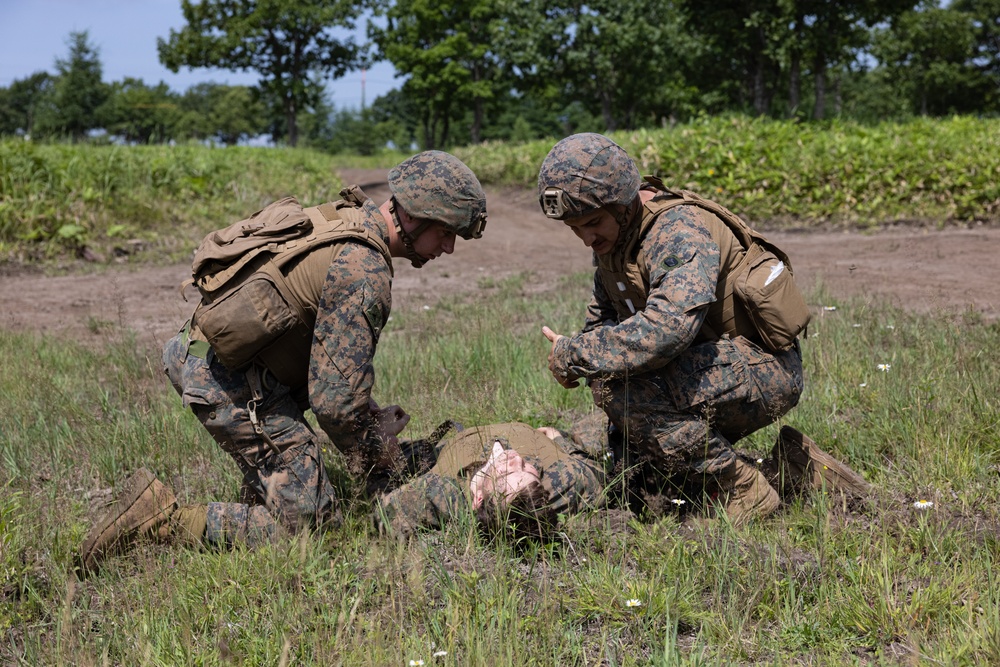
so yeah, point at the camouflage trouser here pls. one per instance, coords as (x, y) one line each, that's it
(285, 486)
(682, 420)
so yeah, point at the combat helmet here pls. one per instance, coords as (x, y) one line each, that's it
(435, 186)
(584, 172)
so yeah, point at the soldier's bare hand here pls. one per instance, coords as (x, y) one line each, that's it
(554, 338)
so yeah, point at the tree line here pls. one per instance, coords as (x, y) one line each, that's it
(516, 70)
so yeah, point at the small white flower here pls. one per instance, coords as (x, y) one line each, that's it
(760, 461)
(829, 309)
(890, 327)
(923, 504)
(439, 654)
(427, 307)
(416, 663)
(678, 501)
(884, 367)
(856, 326)
(863, 385)
(632, 602)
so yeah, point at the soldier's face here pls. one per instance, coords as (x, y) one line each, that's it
(598, 230)
(435, 241)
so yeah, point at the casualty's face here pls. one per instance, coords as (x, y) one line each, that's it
(598, 230)
(505, 473)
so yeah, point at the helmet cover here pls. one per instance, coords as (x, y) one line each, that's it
(438, 187)
(585, 172)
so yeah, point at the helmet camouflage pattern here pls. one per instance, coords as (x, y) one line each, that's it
(584, 172)
(439, 187)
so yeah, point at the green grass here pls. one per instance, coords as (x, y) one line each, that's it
(822, 583)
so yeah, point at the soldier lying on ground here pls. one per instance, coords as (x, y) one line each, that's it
(508, 474)
(690, 340)
(293, 303)
(519, 479)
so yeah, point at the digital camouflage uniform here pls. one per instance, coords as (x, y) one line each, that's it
(572, 471)
(347, 288)
(680, 394)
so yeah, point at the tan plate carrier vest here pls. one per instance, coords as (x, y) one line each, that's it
(247, 310)
(739, 309)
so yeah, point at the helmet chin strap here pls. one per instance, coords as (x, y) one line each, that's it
(407, 238)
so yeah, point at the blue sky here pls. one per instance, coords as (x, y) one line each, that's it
(33, 33)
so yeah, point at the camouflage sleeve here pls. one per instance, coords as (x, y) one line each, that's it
(600, 312)
(353, 308)
(426, 502)
(575, 483)
(683, 263)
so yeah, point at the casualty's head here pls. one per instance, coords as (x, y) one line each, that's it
(590, 183)
(435, 197)
(508, 496)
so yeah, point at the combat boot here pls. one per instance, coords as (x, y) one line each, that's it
(805, 466)
(142, 508)
(746, 494)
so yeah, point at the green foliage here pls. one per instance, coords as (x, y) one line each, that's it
(286, 41)
(228, 114)
(927, 54)
(447, 49)
(58, 197)
(823, 582)
(78, 93)
(782, 172)
(138, 113)
(19, 104)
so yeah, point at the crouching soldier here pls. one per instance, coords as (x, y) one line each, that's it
(690, 340)
(292, 304)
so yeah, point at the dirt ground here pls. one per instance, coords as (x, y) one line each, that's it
(925, 270)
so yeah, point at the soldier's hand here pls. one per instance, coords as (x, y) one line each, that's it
(554, 338)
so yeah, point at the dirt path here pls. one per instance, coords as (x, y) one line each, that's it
(927, 271)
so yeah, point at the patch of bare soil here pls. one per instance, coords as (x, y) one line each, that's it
(923, 270)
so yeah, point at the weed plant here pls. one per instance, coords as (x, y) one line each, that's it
(59, 199)
(908, 400)
(779, 173)
(55, 198)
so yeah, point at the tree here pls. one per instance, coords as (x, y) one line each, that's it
(77, 92)
(20, 102)
(229, 114)
(446, 49)
(985, 15)
(139, 113)
(929, 54)
(288, 42)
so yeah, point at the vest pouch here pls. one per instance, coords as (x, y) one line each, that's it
(766, 287)
(245, 321)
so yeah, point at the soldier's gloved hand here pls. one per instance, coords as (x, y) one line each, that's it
(557, 374)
